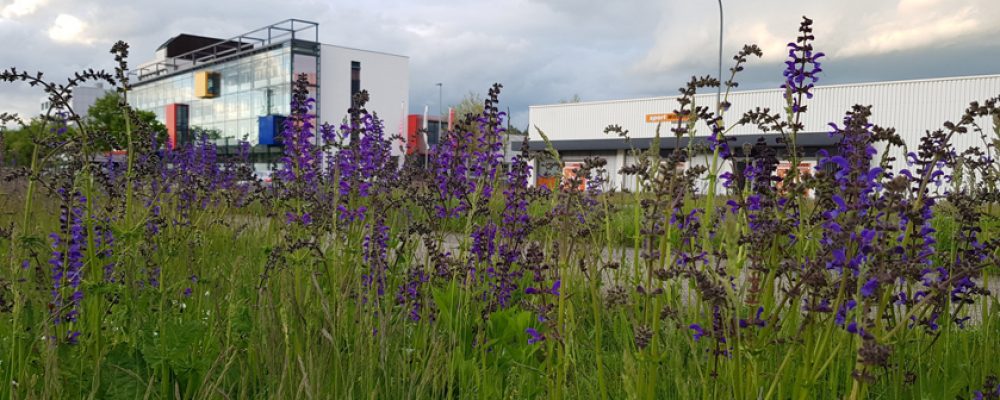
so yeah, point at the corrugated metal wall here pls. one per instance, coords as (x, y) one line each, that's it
(912, 107)
(906, 105)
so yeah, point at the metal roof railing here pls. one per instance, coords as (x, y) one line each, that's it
(276, 33)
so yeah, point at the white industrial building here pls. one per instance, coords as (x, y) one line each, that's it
(913, 107)
(83, 98)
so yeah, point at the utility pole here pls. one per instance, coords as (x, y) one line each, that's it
(718, 92)
(506, 142)
(440, 108)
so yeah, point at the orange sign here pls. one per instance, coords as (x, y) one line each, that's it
(805, 170)
(657, 118)
(569, 172)
(547, 181)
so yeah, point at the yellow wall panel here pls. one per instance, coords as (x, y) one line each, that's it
(206, 84)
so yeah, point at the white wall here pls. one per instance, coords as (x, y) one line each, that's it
(912, 107)
(614, 179)
(386, 77)
(85, 97)
(909, 106)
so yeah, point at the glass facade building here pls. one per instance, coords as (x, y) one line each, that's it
(240, 88)
(254, 80)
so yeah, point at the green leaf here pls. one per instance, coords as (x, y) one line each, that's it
(124, 374)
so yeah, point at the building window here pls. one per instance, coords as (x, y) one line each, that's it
(355, 79)
(305, 64)
(206, 85)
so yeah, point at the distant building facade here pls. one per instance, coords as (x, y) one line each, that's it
(83, 98)
(576, 130)
(423, 133)
(241, 88)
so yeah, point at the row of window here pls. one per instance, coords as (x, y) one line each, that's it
(247, 88)
(242, 90)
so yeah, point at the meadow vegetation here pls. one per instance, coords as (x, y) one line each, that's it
(173, 273)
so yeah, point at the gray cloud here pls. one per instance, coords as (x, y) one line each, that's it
(541, 50)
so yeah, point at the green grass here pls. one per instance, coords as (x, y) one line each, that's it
(303, 333)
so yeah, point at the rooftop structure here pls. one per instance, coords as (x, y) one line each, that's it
(186, 51)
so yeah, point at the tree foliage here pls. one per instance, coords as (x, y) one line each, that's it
(574, 99)
(472, 103)
(107, 118)
(17, 143)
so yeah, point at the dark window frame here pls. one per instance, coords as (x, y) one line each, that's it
(355, 79)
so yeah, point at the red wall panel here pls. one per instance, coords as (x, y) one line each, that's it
(171, 112)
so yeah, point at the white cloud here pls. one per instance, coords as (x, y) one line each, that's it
(844, 29)
(421, 30)
(913, 6)
(541, 50)
(917, 25)
(773, 45)
(69, 29)
(20, 8)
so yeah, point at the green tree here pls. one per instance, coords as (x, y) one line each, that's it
(211, 133)
(574, 99)
(515, 131)
(18, 144)
(107, 119)
(472, 103)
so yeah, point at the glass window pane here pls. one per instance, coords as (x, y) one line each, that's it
(304, 64)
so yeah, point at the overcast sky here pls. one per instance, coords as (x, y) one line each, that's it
(541, 50)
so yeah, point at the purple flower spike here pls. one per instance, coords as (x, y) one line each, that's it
(698, 331)
(802, 67)
(73, 337)
(734, 207)
(555, 288)
(869, 288)
(535, 336)
(757, 321)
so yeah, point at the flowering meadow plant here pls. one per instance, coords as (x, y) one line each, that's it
(175, 273)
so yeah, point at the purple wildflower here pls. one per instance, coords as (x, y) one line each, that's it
(756, 321)
(801, 68)
(301, 161)
(845, 308)
(868, 289)
(698, 331)
(409, 293)
(376, 245)
(534, 336)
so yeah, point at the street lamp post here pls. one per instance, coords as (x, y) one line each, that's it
(440, 109)
(718, 92)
